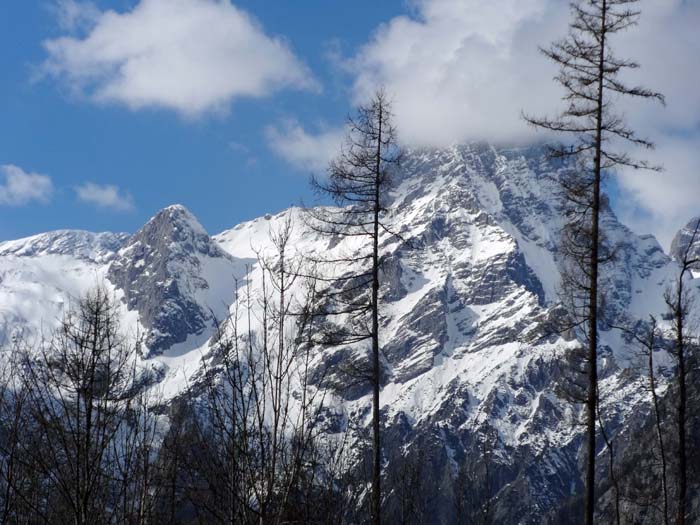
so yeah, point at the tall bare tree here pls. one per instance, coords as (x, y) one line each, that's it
(358, 181)
(679, 304)
(590, 76)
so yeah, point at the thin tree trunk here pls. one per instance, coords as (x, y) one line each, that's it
(657, 416)
(591, 403)
(682, 464)
(611, 467)
(376, 474)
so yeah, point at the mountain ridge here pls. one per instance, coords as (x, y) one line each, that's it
(467, 292)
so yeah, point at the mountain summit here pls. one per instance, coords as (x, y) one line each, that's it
(469, 290)
(165, 272)
(687, 241)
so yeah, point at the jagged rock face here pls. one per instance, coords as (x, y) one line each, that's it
(94, 247)
(163, 273)
(687, 241)
(468, 292)
(467, 295)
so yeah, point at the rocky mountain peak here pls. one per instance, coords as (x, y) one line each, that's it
(687, 240)
(163, 273)
(175, 228)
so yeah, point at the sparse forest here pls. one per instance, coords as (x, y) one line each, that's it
(324, 316)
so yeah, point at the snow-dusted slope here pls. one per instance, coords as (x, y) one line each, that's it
(87, 246)
(467, 293)
(41, 274)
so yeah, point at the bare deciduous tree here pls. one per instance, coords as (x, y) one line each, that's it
(257, 418)
(590, 75)
(647, 337)
(358, 182)
(679, 303)
(78, 388)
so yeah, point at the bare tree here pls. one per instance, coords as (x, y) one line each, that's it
(473, 484)
(257, 414)
(589, 74)
(174, 483)
(135, 451)
(649, 338)
(410, 486)
(609, 445)
(19, 485)
(679, 304)
(650, 345)
(358, 182)
(78, 389)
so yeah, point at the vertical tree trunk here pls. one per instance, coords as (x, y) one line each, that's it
(588, 70)
(357, 181)
(591, 403)
(376, 473)
(657, 418)
(682, 464)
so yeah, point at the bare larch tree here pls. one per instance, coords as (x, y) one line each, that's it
(79, 388)
(590, 76)
(257, 412)
(358, 181)
(679, 304)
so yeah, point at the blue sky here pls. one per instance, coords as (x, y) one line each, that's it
(113, 109)
(218, 165)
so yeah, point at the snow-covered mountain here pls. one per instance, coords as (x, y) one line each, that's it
(41, 274)
(469, 290)
(176, 278)
(686, 243)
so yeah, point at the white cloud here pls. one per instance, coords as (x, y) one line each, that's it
(304, 150)
(462, 70)
(191, 56)
(74, 16)
(105, 196)
(21, 187)
(662, 203)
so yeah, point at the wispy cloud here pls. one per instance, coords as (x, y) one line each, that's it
(105, 196)
(21, 187)
(462, 70)
(304, 150)
(190, 56)
(73, 15)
